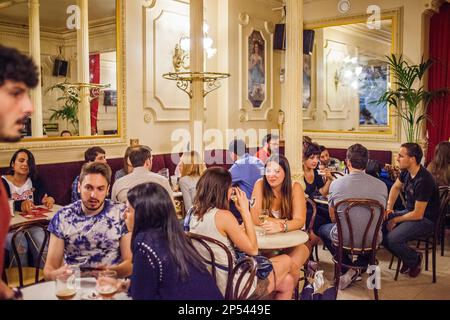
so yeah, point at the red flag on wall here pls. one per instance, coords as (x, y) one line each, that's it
(94, 75)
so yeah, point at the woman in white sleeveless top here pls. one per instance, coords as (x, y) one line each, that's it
(286, 204)
(213, 219)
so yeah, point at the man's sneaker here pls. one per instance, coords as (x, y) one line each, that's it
(348, 278)
(415, 271)
(404, 269)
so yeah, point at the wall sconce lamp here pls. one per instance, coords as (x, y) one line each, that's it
(180, 61)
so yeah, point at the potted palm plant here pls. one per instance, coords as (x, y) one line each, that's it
(409, 97)
(69, 110)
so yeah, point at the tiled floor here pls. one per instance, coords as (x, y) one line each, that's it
(405, 288)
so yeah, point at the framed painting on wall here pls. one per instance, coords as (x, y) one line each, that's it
(373, 83)
(306, 81)
(256, 69)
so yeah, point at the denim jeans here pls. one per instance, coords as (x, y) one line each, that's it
(26, 245)
(396, 241)
(362, 260)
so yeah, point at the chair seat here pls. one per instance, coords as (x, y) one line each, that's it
(12, 276)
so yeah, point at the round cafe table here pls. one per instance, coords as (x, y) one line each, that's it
(281, 240)
(46, 291)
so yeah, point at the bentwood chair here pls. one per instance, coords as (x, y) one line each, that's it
(337, 174)
(444, 219)
(352, 243)
(240, 276)
(21, 276)
(310, 227)
(433, 238)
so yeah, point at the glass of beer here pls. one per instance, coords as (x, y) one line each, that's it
(107, 284)
(66, 287)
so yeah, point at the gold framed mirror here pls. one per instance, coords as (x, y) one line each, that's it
(347, 72)
(81, 50)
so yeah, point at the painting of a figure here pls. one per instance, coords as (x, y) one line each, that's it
(306, 81)
(373, 83)
(256, 69)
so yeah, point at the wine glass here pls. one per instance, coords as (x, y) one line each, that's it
(107, 284)
(263, 216)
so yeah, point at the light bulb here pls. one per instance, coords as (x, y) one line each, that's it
(185, 43)
(348, 74)
(205, 28)
(207, 43)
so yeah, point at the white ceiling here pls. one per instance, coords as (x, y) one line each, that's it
(53, 12)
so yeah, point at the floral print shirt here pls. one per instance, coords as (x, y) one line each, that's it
(96, 238)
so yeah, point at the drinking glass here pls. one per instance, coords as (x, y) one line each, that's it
(263, 216)
(107, 284)
(233, 195)
(66, 286)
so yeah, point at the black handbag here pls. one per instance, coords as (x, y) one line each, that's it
(264, 265)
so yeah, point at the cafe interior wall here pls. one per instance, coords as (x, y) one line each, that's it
(222, 106)
(413, 45)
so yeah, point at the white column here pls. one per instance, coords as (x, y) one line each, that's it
(196, 113)
(294, 83)
(84, 108)
(35, 52)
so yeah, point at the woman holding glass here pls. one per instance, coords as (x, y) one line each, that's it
(286, 205)
(315, 186)
(212, 218)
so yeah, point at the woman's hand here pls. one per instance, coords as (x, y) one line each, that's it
(27, 206)
(327, 174)
(272, 227)
(48, 201)
(241, 203)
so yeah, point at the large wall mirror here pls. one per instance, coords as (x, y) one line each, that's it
(346, 73)
(80, 54)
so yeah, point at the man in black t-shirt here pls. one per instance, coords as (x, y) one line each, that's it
(422, 208)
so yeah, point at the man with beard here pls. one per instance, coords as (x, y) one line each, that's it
(18, 74)
(270, 145)
(91, 230)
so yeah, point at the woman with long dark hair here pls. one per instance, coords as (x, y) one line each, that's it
(212, 218)
(315, 186)
(440, 166)
(286, 204)
(27, 190)
(127, 167)
(23, 184)
(166, 265)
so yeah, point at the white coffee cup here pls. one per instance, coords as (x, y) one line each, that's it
(11, 207)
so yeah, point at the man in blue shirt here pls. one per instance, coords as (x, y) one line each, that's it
(245, 171)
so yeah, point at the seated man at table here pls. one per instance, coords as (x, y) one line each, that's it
(422, 208)
(270, 145)
(91, 229)
(141, 160)
(326, 160)
(93, 154)
(245, 171)
(356, 185)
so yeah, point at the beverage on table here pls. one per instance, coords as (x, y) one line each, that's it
(107, 283)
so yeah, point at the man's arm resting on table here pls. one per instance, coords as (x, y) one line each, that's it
(53, 264)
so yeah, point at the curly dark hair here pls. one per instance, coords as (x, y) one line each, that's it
(17, 67)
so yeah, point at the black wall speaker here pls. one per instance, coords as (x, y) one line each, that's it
(279, 42)
(60, 68)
